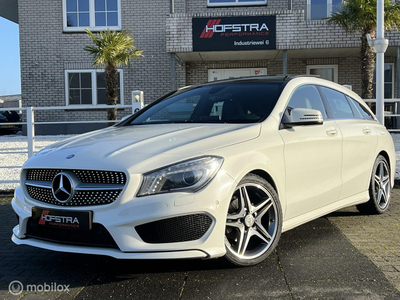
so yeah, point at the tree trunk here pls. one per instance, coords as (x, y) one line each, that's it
(367, 66)
(111, 91)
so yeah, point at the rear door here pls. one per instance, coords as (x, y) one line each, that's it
(313, 158)
(360, 139)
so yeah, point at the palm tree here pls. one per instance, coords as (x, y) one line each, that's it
(360, 16)
(112, 49)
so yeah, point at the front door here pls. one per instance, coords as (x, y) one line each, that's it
(313, 158)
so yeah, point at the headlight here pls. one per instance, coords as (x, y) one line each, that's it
(187, 176)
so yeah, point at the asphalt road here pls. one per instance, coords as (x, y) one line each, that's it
(313, 261)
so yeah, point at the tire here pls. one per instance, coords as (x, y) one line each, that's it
(379, 189)
(254, 222)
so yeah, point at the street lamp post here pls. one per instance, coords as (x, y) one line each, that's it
(379, 45)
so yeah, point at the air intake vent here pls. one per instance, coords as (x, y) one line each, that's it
(174, 230)
(98, 236)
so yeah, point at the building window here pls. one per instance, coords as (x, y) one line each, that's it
(87, 87)
(388, 82)
(93, 14)
(321, 9)
(329, 72)
(235, 2)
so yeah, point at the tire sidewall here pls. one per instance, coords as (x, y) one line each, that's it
(372, 194)
(252, 178)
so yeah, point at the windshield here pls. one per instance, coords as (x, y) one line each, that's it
(243, 102)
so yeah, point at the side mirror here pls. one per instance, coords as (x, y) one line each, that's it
(302, 117)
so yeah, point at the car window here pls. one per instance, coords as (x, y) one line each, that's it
(356, 111)
(363, 113)
(307, 97)
(246, 102)
(11, 115)
(178, 110)
(338, 103)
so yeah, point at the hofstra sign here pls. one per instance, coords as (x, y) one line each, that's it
(234, 33)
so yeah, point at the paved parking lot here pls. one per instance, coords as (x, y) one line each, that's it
(376, 236)
(313, 261)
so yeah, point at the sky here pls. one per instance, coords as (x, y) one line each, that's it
(10, 71)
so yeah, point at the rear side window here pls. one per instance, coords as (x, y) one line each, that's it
(307, 97)
(361, 111)
(338, 103)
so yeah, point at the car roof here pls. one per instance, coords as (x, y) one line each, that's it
(259, 78)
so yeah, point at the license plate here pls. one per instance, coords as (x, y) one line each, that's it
(7, 126)
(67, 219)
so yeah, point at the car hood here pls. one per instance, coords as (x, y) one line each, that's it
(128, 146)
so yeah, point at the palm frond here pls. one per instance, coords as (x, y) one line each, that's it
(360, 15)
(112, 47)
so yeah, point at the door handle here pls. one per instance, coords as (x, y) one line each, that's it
(366, 130)
(331, 132)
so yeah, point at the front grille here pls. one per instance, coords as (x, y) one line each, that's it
(85, 176)
(94, 188)
(174, 230)
(80, 199)
(98, 236)
(41, 174)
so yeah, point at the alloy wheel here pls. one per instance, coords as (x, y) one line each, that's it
(382, 185)
(251, 224)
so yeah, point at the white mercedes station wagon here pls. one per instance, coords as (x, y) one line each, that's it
(219, 169)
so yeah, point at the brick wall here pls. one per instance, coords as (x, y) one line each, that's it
(200, 6)
(46, 52)
(293, 31)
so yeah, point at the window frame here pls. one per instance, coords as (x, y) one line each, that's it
(326, 114)
(331, 112)
(92, 20)
(237, 3)
(329, 7)
(334, 67)
(384, 82)
(223, 71)
(352, 102)
(94, 88)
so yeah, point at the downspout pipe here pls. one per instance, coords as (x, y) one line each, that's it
(173, 76)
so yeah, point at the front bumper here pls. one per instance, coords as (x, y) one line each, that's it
(4, 127)
(121, 217)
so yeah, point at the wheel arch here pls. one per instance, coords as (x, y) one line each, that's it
(391, 164)
(265, 175)
(386, 156)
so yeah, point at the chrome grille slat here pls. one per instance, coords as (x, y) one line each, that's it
(94, 188)
(37, 183)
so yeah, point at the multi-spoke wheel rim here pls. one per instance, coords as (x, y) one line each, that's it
(382, 185)
(251, 223)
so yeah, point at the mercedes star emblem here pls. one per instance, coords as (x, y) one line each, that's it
(62, 187)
